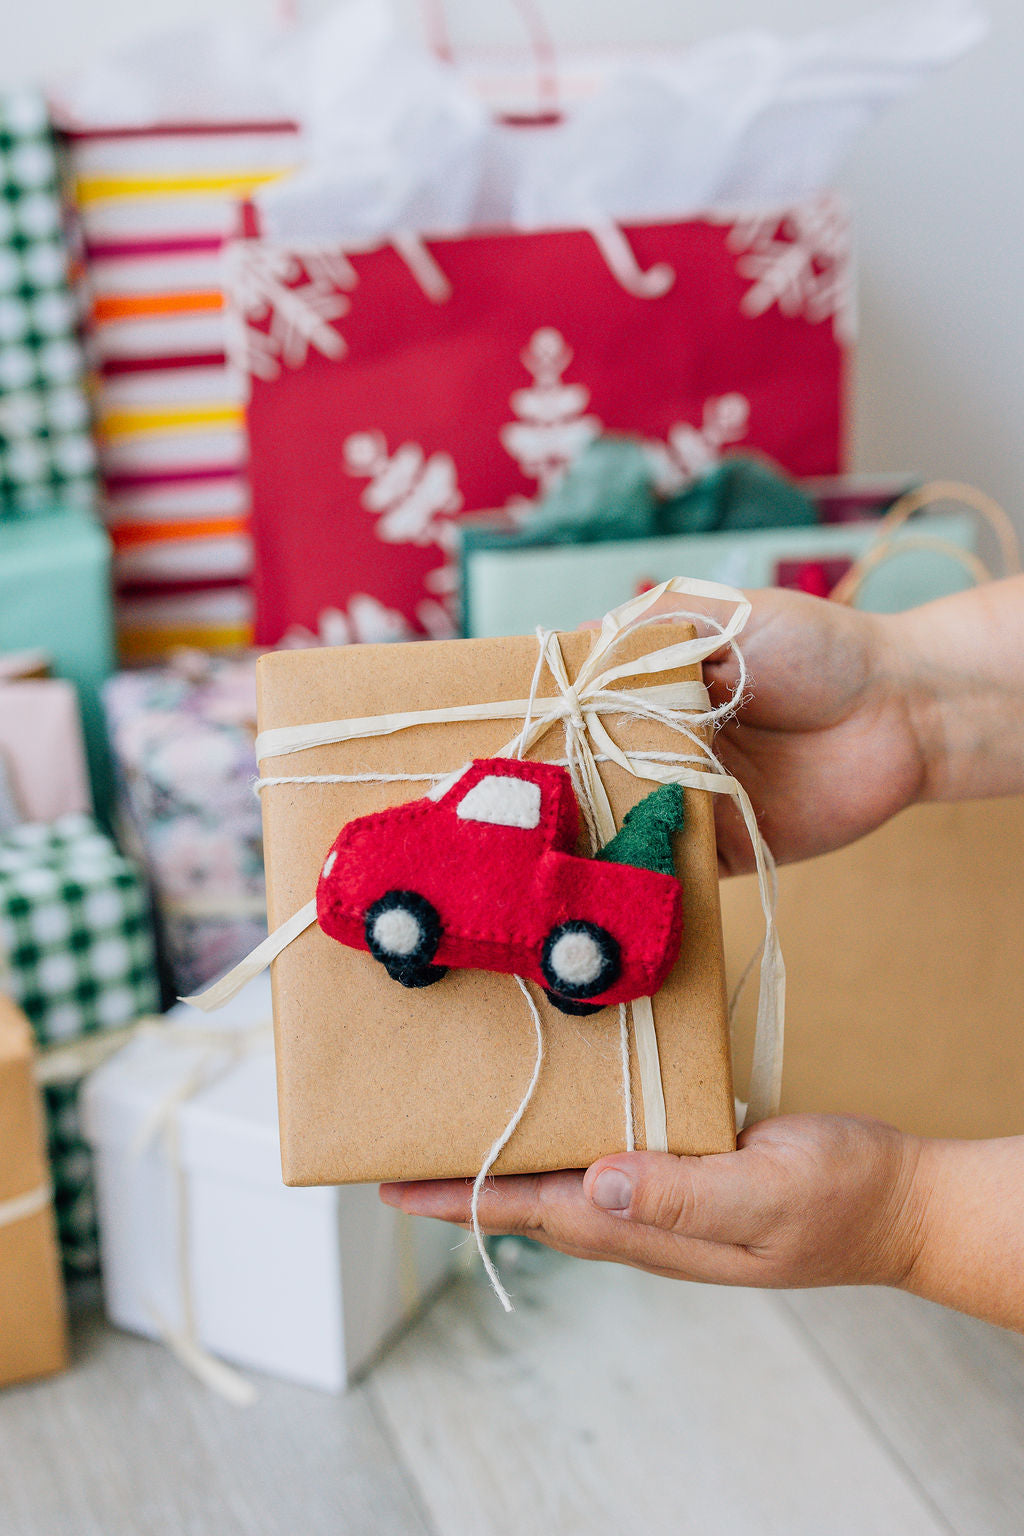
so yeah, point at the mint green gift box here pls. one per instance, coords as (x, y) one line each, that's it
(608, 530)
(509, 588)
(55, 596)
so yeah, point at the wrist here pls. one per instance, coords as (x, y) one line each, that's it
(914, 1236)
(902, 1230)
(969, 1248)
(957, 665)
(910, 682)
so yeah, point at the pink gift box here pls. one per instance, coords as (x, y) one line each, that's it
(42, 749)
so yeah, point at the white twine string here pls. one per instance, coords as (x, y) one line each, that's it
(579, 707)
(498, 1147)
(273, 781)
(220, 1050)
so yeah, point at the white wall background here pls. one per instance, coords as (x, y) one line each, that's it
(937, 184)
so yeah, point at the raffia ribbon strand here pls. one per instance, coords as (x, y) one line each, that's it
(219, 1050)
(21, 1207)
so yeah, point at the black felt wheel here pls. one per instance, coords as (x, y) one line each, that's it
(580, 959)
(572, 1005)
(403, 931)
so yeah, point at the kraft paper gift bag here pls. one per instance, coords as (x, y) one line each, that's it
(906, 990)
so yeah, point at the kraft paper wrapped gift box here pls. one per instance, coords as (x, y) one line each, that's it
(32, 1326)
(307, 1284)
(378, 1081)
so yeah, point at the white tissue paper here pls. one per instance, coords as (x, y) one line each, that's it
(396, 139)
(197, 73)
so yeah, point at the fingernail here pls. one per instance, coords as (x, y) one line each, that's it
(391, 1194)
(611, 1190)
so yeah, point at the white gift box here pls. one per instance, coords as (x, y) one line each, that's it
(305, 1284)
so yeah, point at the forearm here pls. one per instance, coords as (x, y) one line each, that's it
(966, 1228)
(962, 665)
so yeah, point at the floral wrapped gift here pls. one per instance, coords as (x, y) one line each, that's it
(75, 931)
(459, 984)
(183, 743)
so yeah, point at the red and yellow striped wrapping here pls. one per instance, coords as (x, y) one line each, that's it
(155, 205)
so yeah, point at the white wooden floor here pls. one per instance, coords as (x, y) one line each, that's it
(611, 1403)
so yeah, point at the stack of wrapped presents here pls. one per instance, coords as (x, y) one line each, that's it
(307, 371)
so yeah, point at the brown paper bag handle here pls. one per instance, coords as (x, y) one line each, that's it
(887, 546)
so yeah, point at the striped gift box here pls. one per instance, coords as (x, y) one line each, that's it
(155, 206)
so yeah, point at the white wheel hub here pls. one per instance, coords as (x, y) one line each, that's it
(576, 959)
(398, 931)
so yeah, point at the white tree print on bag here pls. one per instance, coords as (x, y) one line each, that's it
(366, 620)
(553, 427)
(412, 494)
(414, 497)
(799, 260)
(263, 284)
(690, 451)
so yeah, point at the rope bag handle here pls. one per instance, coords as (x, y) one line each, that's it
(887, 546)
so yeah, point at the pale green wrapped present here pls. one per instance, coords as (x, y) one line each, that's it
(55, 596)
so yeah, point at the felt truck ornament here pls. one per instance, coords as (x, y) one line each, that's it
(482, 873)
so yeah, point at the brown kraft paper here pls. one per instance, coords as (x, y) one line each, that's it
(377, 1081)
(905, 987)
(32, 1325)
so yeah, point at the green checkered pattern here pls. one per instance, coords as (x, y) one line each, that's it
(76, 937)
(46, 451)
(71, 1168)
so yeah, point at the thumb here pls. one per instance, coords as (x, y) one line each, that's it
(712, 1197)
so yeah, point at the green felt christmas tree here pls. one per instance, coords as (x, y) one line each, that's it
(645, 837)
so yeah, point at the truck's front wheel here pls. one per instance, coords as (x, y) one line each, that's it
(403, 932)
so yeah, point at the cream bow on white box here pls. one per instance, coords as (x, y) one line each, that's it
(580, 707)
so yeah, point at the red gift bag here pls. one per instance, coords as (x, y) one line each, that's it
(395, 389)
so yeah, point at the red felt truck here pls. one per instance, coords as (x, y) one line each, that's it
(481, 873)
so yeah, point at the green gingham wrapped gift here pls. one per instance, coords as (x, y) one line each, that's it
(46, 451)
(76, 937)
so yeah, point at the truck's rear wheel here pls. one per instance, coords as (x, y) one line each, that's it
(579, 960)
(403, 932)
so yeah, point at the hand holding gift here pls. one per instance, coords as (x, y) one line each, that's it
(852, 717)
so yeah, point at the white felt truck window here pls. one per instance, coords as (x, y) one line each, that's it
(506, 802)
